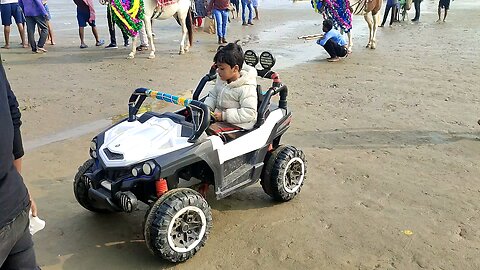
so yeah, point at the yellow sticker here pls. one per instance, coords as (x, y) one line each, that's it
(407, 232)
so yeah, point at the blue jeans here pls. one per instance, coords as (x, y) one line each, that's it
(221, 17)
(248, 4)
(16, 245)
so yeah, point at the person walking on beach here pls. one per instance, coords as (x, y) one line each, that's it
(416, 4)
(247, 4)
(219, 8)
(86, 14)
(443, 4)
(16, 245)
(391, 4)
(35, 14)
(9, 9)
(255, 7)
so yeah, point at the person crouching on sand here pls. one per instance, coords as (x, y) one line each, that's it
(333, 42)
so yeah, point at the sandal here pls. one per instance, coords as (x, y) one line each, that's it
(83, 46)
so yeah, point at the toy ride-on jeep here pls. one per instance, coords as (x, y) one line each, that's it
(148, 158)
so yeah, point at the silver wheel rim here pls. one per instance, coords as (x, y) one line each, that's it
(293, 175)
(186, 229)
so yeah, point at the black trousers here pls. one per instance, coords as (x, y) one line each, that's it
(417, 9)
(32, 21)
(335, 50)
(387, 10)
(16, 245)
(111, 28)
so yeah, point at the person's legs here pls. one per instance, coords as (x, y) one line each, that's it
(21, 30)
(143, 37)
(224, 25)
(447, 7)
(31, 23)
(6, 34)
(49, 26)
(95, 34)
(250, 13)
(5, 11)
(385, 15)
(82, 23)
(98, 41)
(236, 3)
(17, 14)
(111, 28)
(125, 38)
(330, 48)
(42, 23)
(218, 20)
(16, 245)
(392, 16)
(81, 33)
(244, 5)
(439, 11)
(50, 33)
(255, 7)
(340, 51)
(417, 10)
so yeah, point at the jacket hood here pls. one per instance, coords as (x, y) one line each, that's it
(248, 76)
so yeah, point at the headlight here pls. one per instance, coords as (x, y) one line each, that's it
(135, 171)
(93, 145)
(94, 154)
(148, 167)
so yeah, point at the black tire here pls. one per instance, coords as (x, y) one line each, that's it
(180, 212)
(80, 188)
(284, 173)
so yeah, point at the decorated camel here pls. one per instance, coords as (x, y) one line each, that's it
(132, 15)
(340, 12)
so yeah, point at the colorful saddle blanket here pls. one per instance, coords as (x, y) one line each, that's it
(336, 10)
(128, 15)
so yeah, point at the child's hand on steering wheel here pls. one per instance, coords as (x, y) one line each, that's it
(217, 116)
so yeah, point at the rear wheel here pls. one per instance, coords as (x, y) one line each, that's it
(284, 173)
(81, 184)
(177, 225)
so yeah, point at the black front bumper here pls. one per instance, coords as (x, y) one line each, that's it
(101, 198)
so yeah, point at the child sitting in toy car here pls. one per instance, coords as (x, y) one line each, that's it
(233, 100)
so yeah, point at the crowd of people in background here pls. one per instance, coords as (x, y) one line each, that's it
(35, 14)
(396, 5)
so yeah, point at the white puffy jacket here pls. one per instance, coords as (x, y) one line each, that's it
(236, 100)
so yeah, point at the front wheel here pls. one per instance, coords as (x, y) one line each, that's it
(177, 225)
(81, 184)
(284, 173)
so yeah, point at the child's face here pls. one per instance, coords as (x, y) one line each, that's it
(227, 73)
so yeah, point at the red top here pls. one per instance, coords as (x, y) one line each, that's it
(218, 4)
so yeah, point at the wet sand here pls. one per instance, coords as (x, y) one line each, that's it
(391, 138)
